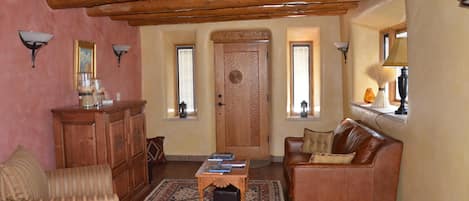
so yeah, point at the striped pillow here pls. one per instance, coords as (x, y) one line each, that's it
(22, 178)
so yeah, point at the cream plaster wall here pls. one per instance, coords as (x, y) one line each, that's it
(197, 136)
(365, 48)
(435, 162)
(361, 28)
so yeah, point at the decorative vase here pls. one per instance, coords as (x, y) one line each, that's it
(381, 99)
(369, 96)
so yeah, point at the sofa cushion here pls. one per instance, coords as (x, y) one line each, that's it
(315, 141)
(332, 158)
(22, 178)
(367, 150)
(354, 139)
(341, 133)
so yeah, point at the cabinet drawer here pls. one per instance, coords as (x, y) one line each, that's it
(139, 172)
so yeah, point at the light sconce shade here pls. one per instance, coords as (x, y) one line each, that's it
(120, 50)
(464, 3)
(34, 41)
(398, 58)
(343, 47)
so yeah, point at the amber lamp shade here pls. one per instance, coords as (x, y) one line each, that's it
(369, 96)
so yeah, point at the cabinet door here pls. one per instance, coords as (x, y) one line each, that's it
(139, 170)
(80, 145)
(121, 184)
(118, 142)
(137, 134)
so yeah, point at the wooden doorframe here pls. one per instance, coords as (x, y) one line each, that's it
(245, 36)
(241, 36)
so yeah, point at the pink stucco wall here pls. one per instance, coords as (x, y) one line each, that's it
(28, 95)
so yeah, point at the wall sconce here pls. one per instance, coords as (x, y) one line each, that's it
(464, 3)
(120, 50)
(34, 41)
(343, 47)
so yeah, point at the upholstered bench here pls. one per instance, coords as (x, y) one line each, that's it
(22, 178)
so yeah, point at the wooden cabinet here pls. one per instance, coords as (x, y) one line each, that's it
(113, 135)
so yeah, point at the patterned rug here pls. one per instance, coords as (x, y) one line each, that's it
(186, 190)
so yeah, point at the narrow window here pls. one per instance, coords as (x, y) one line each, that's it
(385, 46)
(185, 77)
(301, 83)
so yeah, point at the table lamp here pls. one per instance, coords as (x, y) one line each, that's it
(398, 58)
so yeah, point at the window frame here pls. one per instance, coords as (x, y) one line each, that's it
(177, 47)
(311, 83)
(391, 32)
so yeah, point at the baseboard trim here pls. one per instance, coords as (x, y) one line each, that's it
(197, 158)
(277, 159)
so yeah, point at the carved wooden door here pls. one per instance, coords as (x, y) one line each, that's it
(242, 113)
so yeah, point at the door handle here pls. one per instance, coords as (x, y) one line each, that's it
(220, 104)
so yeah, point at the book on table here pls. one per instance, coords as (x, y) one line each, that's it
(234, 164)
(218, 169)
(221, 157)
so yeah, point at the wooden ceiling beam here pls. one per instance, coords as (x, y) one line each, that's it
(152, 6)
(231, 18)
(239, 11)
(59, 4)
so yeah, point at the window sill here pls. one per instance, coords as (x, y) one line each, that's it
(385, 112)
(189, 118)
(298, 118)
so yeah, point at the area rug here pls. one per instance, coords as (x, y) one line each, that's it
(186, 190)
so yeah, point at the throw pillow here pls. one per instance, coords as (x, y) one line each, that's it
(155, 150)
(317, 141)
(332, 158)
(22, 178)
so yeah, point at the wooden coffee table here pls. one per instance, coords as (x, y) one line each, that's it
(238, 177)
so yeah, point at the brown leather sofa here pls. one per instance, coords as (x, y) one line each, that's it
(373, 174)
